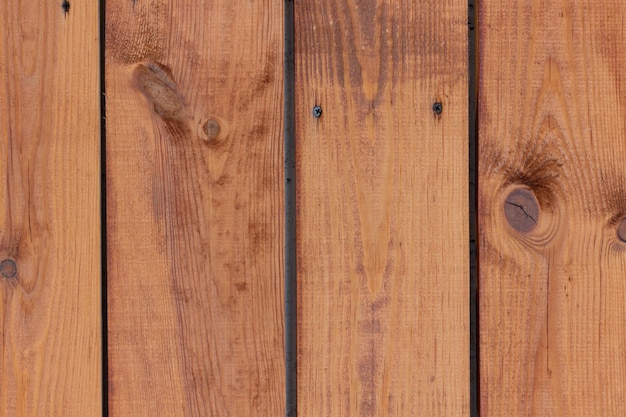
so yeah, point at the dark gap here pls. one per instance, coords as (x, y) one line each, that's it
(473, 210)
(291, 389)
(103, 215)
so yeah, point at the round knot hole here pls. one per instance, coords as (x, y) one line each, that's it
(212, 128)
(521, 210)
(8, 268)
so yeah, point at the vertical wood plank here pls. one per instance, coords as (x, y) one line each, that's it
(382, 202)
(552, 197)
(50, 277)
(195, 207)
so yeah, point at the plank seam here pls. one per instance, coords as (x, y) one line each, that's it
(291, 387)
(103, 212)
(472, 59)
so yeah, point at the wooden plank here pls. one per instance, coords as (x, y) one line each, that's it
(551, 198)
(50, 277)
(382, 226)
(195, 208)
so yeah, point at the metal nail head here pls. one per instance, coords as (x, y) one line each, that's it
(317, 111)
(437, 108)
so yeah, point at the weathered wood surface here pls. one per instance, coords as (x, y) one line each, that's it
(195, 208)
(552, 287)
(50, 328)
(382, 208)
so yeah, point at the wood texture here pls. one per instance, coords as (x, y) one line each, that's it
(50, 328)
(382, 203)
(195, 208)
(552, 298)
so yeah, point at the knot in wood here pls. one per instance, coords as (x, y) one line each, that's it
(521, 210)
(8, 268)
(212, 128)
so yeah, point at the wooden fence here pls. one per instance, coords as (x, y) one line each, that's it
(267, 208)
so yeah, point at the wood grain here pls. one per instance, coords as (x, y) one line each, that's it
(50, 277)
(195, 208)
(382, 203)
(552, 298)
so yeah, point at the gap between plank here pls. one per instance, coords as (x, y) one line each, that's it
(103, 213)
(291, 387)
(472, 56)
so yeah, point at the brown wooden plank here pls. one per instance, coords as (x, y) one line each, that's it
(195, 208)
(382, 227)
(50, 279)
(552, 287)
